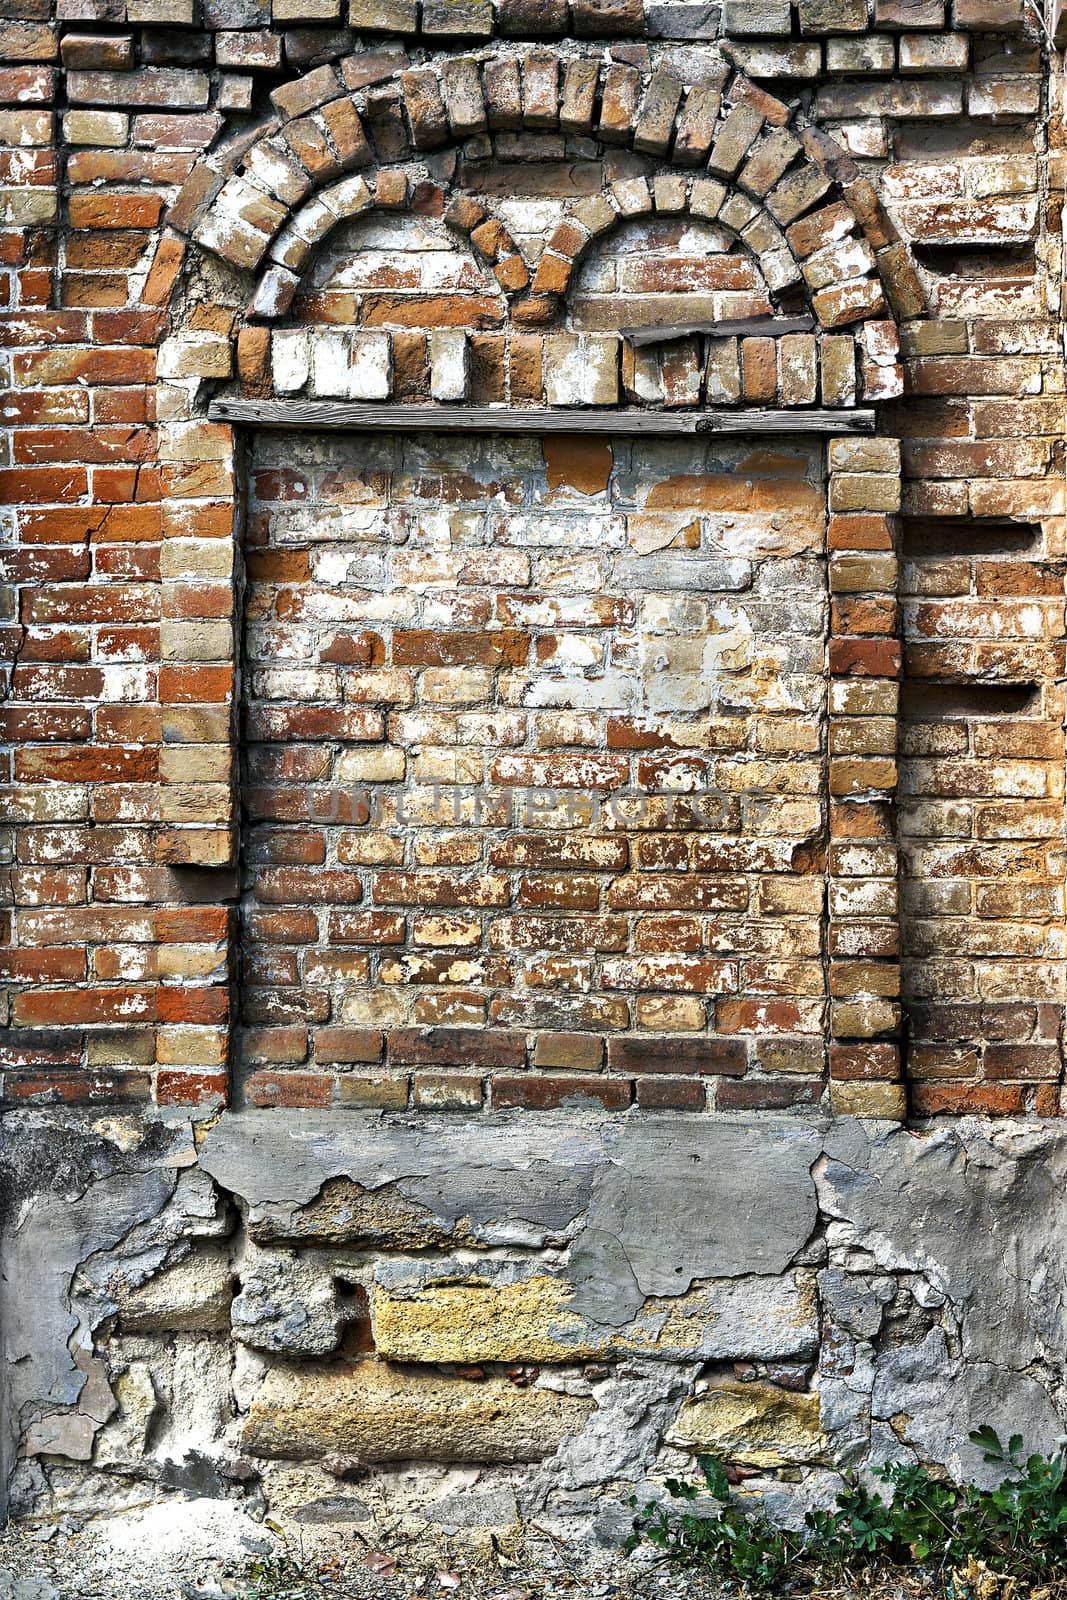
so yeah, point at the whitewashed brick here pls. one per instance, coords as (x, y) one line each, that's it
(449, 364)
(290, 360)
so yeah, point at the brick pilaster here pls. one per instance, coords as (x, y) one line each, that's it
(864, 670)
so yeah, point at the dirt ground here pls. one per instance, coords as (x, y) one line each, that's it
(213, 1561)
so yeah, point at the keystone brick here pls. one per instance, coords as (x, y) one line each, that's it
(655, 122)
(620, 93)
(734, 139)
(461, 88)
(578, 97)
(696, 125)
(425, 109)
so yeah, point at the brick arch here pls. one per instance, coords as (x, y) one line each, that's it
(586, 224)
(259, 200)
(747, 159)
(389, 189)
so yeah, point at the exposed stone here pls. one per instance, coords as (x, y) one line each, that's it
(193, 1295)
(754, 1424)
(347, 1213)
(123, 1441)
(286, 1304)
(382, 1414)
(472, 1321)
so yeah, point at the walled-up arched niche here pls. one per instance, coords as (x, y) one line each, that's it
(829, 280)
(429, 259)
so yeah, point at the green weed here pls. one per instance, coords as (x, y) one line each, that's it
(1017, 1530)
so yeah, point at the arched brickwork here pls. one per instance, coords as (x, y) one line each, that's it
(267, 200)
(738, 158)
(762, 170)
(848, 356)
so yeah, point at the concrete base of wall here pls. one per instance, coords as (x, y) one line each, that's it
(325, 1317)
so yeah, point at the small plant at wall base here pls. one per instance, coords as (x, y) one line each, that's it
(963, 1538)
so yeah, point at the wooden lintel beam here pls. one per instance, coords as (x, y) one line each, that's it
(335, 415)
(740, 327)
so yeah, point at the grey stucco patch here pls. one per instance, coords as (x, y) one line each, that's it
(45, 1246)
(980, 1209)
(943, 1399)
(688, 1198)
(71, 1190)
(512, 1178)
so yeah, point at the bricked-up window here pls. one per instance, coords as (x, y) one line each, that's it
(534, 774)
(668, 270)
(981, 816)
(398, 272)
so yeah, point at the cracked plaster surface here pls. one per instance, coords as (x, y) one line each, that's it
(940, 1258)
(662, 1202)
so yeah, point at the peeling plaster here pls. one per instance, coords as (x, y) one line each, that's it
(664, 1201)
(938, 1258)
(73, 1187)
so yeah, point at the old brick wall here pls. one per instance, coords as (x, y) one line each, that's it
(430, 179)
(533, 540)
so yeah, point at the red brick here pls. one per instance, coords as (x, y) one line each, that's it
(1021, 1061)
(175, 1088)
(345, 1045)
(456, 1047)
(295, 886)
(867, 1062)
(37, 485)
(676, 1054)
(426, 649)
(989, 1100)
(179, 1003)
(558, 1093)
(768, 1094)
(871, 658)
(114, 210)
(42, 965)
(56, 1007)
(84, 1088)
(295, 1089)
(670, 1094)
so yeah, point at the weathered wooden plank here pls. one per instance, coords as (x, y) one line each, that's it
(332, 415)
(741, 327)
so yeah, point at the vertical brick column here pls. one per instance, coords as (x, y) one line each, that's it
(199, 607)
(864, 671)
(197, 681)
